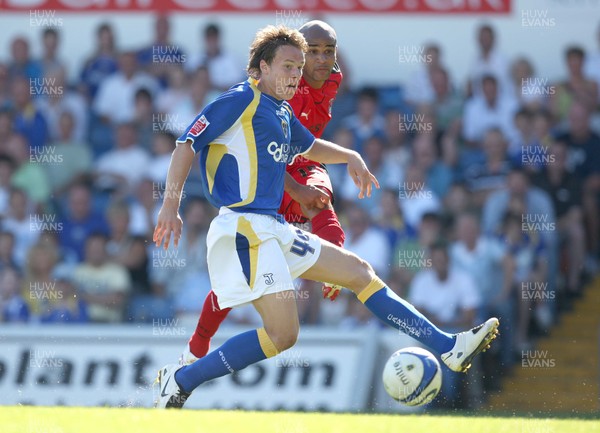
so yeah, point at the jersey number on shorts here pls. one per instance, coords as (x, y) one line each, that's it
(301, 245)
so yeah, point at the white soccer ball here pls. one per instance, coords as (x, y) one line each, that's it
(412, 376)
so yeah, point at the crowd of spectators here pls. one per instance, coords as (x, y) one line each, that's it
(488, 200)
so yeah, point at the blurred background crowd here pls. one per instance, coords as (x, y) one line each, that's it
(488, 202)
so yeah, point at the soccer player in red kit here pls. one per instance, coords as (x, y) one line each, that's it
(308, 191)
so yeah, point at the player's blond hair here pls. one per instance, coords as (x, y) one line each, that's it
(266, 42)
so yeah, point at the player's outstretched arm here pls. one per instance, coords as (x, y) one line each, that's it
(327, 152)
(169, 220)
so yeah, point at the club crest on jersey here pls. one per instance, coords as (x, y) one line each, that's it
(199, 125)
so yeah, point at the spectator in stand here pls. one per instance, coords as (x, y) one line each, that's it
(487, 110)
(75, 158)
(50, 63)
(80, 220)
(537, 202)
(438, 176)
(103, 285)
(182, 274)
(337, 172)
(416, 198)
(21, 64)
(447, 102)
(102, 63)
(119, 240)
(39, 287)
(419, 88)
(489, 177)
(526, 150)
(457, 201)
(68, 307)
(144, 118)
(449, 297)
(6, 126)
(161, 56)
(577, 87)
(526, 276)
(583, 160)
(367, 121)
(591, 67)
(115, 101)
(65, 100)
(175, 93)
(410, 255)
(488, 264)
(397, 139)
(28, 119)
(163, 144)
(13, 308)
(5, 84)
(531, 92)
(388, 217)
(224, 69)
(199, 94)
(7, 251)
(388, 174)
(120, 170)
(366, 240)
(537, 218)
(489, 62)
(145, 206)
(565, 190)
(29, 174)
(19, 222)
(7, 168)
(145, 305)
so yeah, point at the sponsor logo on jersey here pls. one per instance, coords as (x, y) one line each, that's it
(199, 126)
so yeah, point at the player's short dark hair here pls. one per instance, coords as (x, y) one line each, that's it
(267, 41)
(575, 50)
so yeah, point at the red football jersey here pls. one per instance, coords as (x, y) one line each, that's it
(312, 107)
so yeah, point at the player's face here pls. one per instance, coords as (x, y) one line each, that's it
(320, 58)
(280, 79)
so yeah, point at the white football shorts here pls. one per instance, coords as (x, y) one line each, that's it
(251, 255)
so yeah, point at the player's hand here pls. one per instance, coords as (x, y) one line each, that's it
(361, 176)
(331, 292)
(168, 222)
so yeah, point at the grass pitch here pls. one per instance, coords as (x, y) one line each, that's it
(130, 420)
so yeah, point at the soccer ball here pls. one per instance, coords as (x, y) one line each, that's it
(412, 376)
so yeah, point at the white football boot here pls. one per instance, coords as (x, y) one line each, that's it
(470, 343)
(170, 396)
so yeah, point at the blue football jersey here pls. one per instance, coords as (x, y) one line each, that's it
(245, 139)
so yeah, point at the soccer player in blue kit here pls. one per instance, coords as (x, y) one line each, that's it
(245, 138)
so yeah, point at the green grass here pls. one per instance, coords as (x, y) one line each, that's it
(107, 420)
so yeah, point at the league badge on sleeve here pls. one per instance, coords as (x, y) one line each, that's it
(199, 126)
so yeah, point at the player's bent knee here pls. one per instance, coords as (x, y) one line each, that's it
(363, 275)
(283, 339)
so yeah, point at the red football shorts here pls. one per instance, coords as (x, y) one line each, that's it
(314, 175)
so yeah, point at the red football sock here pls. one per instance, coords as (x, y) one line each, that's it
(209, 321)
(327, 226)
